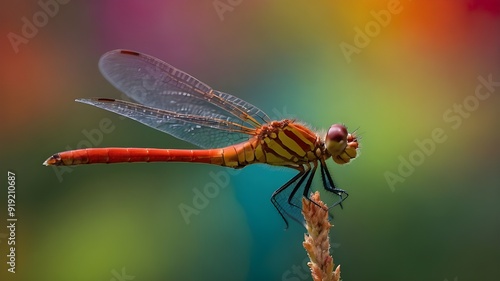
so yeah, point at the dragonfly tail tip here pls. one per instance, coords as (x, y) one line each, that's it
(53, 160)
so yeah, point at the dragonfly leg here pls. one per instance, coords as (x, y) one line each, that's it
(274, 199)
(296, 188)
(330, 185)
(308, 185)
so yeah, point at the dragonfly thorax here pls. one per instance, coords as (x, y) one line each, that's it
(287, 143)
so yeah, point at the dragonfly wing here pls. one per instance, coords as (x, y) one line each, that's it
(207, 131)
(154, 83)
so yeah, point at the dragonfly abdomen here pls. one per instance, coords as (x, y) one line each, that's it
(129, 155)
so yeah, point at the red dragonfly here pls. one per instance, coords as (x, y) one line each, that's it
(233, 132)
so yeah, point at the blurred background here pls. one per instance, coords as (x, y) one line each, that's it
(417, 78)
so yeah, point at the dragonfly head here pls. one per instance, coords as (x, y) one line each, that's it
(341, 144)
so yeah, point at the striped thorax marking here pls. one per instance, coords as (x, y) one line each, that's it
(285, 142)
(281, 143)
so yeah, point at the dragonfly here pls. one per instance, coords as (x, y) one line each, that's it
(229, 131)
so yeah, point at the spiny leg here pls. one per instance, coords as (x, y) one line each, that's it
(329, 185)
(277, 205)
(296, 209)
(299, 184)
(293, 208)
(305, 193)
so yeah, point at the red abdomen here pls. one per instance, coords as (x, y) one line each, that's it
(128, 155)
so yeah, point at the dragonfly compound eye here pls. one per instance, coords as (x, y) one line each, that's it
(336, 139)
(337, 133)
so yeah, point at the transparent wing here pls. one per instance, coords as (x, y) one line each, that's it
(154, 83)
(208, 130)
